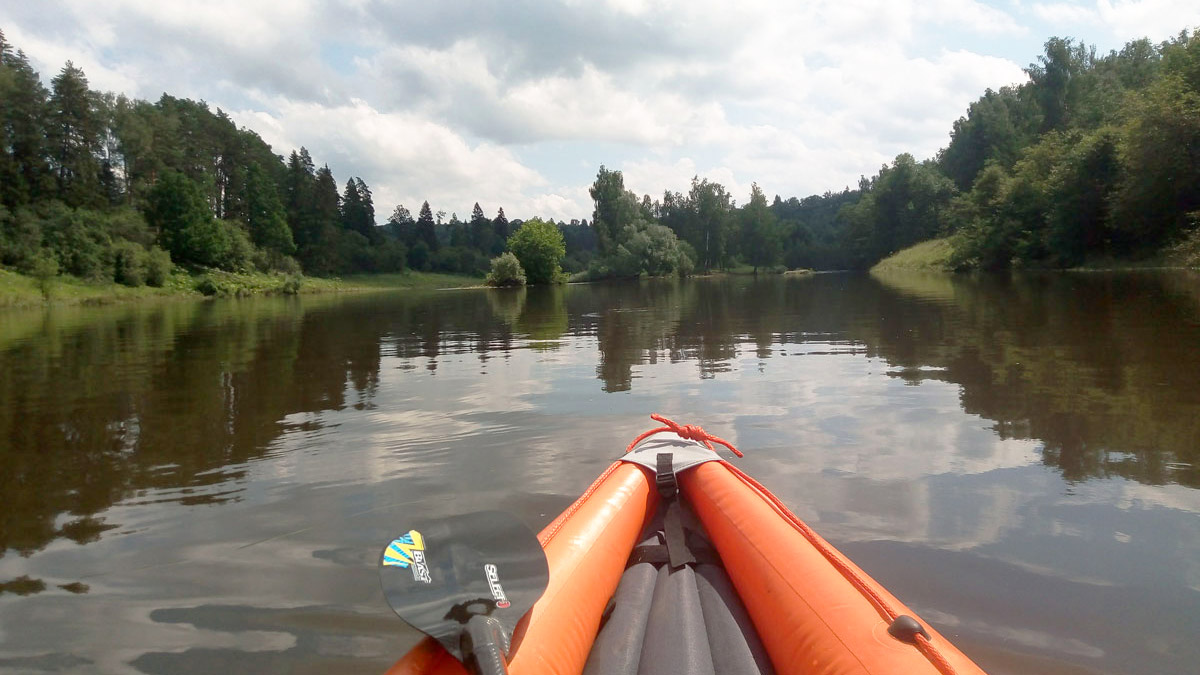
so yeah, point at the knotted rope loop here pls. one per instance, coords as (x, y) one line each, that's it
(688, 431)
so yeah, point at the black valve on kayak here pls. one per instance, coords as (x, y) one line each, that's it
(906, 629)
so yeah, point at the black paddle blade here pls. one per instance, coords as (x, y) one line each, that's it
(440, 573)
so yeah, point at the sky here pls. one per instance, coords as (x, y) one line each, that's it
(517, 103)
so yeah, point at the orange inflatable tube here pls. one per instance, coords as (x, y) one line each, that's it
(815, 611)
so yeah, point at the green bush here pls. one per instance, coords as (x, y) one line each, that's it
(209, 286)
(291, 284)
(129, 263)
(80, 239)
(20, 238)
(506, 271)
(239, 250)
(540, 247)
(268, 260)
(158, 267)
(44, 268)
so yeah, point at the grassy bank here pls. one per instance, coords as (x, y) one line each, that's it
(934, 256)
(18, 290)
(927, 256)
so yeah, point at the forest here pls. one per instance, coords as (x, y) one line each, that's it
(1093, 157)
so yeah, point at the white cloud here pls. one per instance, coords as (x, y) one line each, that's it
(1156, 19)
(1124, 20)
(405, 158)
(457, 105)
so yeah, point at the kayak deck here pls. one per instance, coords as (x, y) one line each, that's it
(662, 621)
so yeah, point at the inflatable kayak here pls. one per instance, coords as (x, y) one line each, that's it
(673, 561)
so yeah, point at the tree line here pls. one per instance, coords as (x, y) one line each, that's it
(1094, 156)
(102, 186)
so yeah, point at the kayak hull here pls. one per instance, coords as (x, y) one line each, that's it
(814, 610)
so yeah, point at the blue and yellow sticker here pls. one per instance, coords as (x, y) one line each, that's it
(400, 551)
(408, 551)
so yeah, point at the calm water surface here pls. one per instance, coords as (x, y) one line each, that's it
(186, 488)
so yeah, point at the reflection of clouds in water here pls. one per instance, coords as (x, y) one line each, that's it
(228, 597)
(114, 634)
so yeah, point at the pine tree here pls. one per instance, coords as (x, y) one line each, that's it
(480, 229)
(402, 226)
(367, 212)
(24, 174)
(299, 201)
(266, 218)
(351, 208)
(73, 134)
(501, 230)
(425, 228)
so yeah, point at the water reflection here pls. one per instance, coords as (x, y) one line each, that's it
(97, 406)
(1095, 366)
(1030, 439)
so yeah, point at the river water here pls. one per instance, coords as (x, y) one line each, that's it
(201, 486)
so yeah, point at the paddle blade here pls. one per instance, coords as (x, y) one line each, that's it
(440, 573)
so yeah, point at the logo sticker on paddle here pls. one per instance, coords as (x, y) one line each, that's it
(493, 578)
(408, 550)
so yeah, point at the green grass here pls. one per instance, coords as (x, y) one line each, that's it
(927, 256)
(18, 290)
(402, 280)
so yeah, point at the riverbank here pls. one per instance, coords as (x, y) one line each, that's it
(927, 256)
(935, 255)
(18, 290)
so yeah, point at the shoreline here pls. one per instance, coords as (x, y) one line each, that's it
(19, 291)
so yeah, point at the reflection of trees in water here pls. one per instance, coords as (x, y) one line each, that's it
(101, 405)
(635, 324)
(704, 320)
(1099, 367)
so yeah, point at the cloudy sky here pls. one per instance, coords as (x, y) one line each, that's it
(516, 103)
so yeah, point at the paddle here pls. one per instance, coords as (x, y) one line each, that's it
(466, 581)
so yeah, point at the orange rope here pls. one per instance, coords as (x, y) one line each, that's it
(688, 431)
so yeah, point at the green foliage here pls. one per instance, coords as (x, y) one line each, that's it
(266, 218)
(129, 263)
(1094, 155)
(425, 228)
(43, 268)
(615, 208)
(460, 260)
(506, 271)
(649, 249)
(291, 284)
(158, 266)
(20, 237)
(540, 248)
(995, 129)
(419, 256)
(760, 234)
(1159, 154)
(187, 229)
(898, 208)
(72, 136)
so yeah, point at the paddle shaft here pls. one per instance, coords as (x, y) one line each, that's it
(486, 643)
